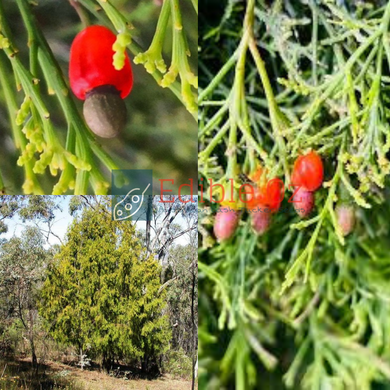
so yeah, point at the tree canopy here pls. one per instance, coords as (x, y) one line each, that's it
(102, 292)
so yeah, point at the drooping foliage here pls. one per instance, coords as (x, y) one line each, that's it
(306, 304)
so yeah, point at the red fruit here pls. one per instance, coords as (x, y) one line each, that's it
(270, 196)
(274, 194)
(308, 172)
(226, 222)
(261, 219)
(253, 200)
(93, 78)
(345, 218)
(91, 63)
(303, 202)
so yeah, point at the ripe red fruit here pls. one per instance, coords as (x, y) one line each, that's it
(226, 222)
(90, 65)
(255, 198)
(94, 79)
(271, 196)
(303, 202)
(345, 218)
(308, 172)
(274, 194)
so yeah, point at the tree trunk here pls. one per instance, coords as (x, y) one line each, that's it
(34, 359)
(194, 332)
(108, 362)
(104, 361)
(148, 221)
(145, 364)
(81, 358)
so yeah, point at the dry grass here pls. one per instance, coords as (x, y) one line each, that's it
(78, 379)
(95, 380)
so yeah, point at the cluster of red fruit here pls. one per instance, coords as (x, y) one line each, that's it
(265, 200)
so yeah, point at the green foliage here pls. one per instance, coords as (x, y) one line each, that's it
(178, 364)
(154, 62)
(102, 292)
(303, 306)
(11, 334)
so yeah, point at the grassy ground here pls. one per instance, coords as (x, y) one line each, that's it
(52, 375)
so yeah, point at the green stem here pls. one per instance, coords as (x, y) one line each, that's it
(80, 12)
(218, 77)
(278, 121)
(214, 121)
(159, 35)
(195, 5)
(204, 155)
(314, 41)
(19, 138)
(2, 187)
(235, 109)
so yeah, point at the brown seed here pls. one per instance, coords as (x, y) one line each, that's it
(105, 111)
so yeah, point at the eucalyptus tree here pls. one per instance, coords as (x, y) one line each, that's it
(22, 265)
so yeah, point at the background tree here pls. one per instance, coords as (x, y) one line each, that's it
(102, 294)
(36, 209)
(22, 268)
(182, 297)
(28, 208)
(163, 224)
(179, 296)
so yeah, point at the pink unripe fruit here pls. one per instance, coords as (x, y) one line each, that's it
(345, 218)
(261, 219)
(303, 202)
(226, 222)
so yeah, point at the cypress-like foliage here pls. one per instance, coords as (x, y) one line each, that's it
(102, 293)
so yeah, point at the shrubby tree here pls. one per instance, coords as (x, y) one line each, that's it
(102, 292)
(168, 219)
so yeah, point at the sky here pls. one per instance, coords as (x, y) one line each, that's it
(61, 223)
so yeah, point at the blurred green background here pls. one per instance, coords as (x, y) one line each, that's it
(160, 133)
